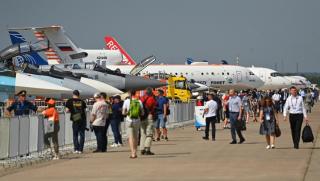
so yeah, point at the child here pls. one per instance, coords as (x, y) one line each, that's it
(52, 114)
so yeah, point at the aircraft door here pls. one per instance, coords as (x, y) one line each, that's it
(239, 76)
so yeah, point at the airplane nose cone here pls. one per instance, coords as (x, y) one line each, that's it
(140, 83)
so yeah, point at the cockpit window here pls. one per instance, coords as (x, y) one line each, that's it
(251, 73)
(275, 74)
(76, 66)
(180, 85)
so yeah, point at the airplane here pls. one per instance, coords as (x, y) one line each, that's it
(272, 79)
(14, 79)
(117, 80)
(221, 77)
(63, 49)
(298, 81)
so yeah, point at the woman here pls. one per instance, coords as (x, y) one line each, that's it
(268, 120)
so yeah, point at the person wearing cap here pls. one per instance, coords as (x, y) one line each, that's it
(115, 120)
(162, 112)
(53, 115)
(147, 122)
(22, 106)
(99, 115)
(77, 108)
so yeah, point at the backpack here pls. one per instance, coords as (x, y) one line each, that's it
(145, 109)
(307, 135)
(134, 109)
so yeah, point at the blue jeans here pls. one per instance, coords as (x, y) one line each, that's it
(235, 126)
(160, 122)
(115, 125)
(78, 130)
(100, 133)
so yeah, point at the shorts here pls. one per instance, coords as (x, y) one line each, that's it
(160, 122)
(133, 128)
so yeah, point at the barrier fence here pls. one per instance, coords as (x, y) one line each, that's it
(24, 135)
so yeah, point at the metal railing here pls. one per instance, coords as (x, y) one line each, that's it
(24, 135)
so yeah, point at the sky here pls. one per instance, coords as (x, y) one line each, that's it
(270, 33)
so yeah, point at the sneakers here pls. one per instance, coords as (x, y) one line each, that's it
(268, 147)
(166, 138)
(119, 145)
(273, 147)
(77, 152)
(241, 141)
(233, 142)
(148, 153)
(114, 145)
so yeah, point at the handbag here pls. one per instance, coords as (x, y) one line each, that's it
(307, 135)
(277, 130)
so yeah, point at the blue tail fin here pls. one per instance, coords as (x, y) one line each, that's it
(32, 58)
(189, 61)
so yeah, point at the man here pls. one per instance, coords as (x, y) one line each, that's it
(276, 101)
(99, 115)
(162, 111)
(210, 113)
(147, 122)
(246, 106)
(109, 112)
(22, 106)
(297, 112)
(133, 109)
(284, 95)
(77, 108)
(217, 99)
(235, 113)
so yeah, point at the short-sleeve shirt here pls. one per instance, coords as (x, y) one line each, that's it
(160, 102)
(76, 105)
(126, 106)
(52, 114)
(212, 107)
(150, 103)
(100, 110)
(22, 108)
(234, 103)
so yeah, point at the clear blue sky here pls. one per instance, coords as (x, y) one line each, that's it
(260, 32)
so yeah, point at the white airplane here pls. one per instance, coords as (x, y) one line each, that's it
(223, 77)
(271, 78)
(298, 81)
(63, 49)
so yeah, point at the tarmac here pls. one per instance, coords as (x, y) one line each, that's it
(187, 157)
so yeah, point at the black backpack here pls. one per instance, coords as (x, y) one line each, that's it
(307, 135)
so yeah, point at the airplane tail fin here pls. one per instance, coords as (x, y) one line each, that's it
(112, 44)
(52, 56)
(189, 61)
(32, 58)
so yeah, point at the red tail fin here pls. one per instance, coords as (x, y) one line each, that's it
(112, 44)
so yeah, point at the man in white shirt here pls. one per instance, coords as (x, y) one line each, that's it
(297, 112)
(210, 112)
(235, 113)
(133, 121)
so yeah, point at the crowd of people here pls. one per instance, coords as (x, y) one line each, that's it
(236, 109)
(145, 118)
